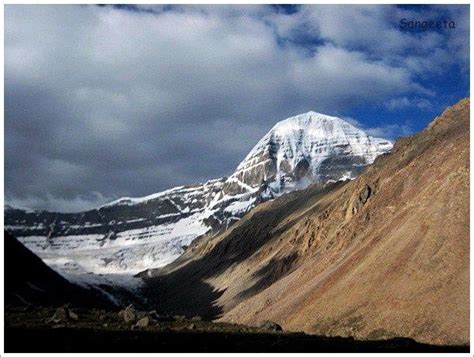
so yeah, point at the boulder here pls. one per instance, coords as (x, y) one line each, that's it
(160, 318)
(143, 322)
(129, 314)
(73, 315)
(61, 315)
(269, 326)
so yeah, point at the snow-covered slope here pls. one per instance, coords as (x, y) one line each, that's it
(127, 235)
(133, 234)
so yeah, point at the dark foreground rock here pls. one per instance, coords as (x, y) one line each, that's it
(67, 339)
(102, 331)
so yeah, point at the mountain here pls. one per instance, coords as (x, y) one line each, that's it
(130, 235)
(304, 149)
(384, 255)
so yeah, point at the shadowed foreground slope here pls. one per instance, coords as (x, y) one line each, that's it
(30, 282)
(386, 255)
(120, 341)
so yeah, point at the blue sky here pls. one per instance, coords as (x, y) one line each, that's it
(110, 101)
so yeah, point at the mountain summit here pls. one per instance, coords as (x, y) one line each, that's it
(307, 148)
(133, 234)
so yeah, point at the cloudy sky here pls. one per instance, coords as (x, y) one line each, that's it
(110, 101)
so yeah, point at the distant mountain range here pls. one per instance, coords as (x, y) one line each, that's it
(130, 235)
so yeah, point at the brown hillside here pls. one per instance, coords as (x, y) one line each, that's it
(384, 255)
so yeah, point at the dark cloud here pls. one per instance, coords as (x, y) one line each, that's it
(102, 102)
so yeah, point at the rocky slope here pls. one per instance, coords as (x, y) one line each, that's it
(384, 255)
(133, 234)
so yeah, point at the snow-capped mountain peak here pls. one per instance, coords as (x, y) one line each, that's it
(310, 147)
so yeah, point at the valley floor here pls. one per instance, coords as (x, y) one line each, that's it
(94, 330)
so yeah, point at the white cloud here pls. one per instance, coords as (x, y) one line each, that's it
(134, 102)
(391, 131)
(388, 131)
(404, 103)
(58, 204)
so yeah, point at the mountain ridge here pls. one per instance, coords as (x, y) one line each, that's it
(132, 234)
